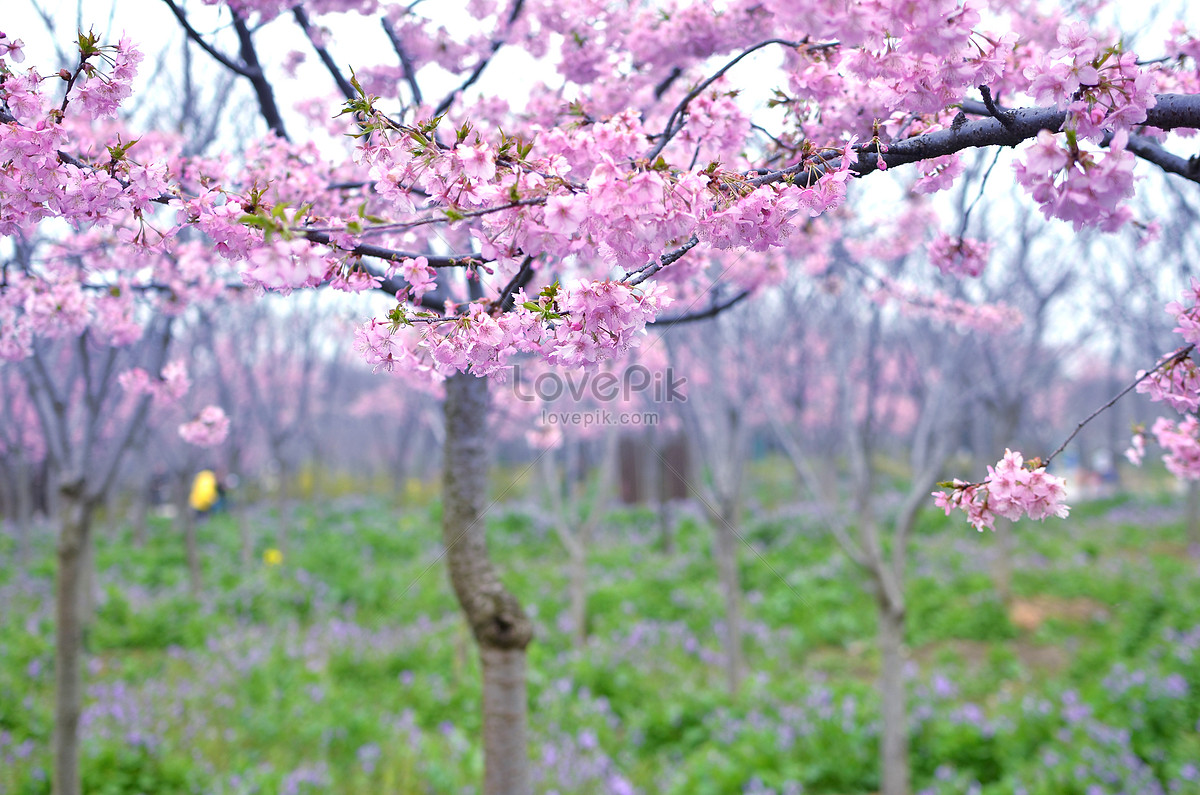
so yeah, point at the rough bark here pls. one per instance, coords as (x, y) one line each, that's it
(506, 764)
(498, 622)
(893, 742)
(74, 529)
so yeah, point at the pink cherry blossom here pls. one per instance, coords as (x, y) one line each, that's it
(1013, 490)
(959, 256)
(208, 429)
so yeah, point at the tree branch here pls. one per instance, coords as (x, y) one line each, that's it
(676, 121)
(258, 79)
(1168, 361)
(1171, 111)
(634, 278)
(497, 43)
(342, 83)
(195, 36)
(521, 279)
(1143, 146)
(712, 311)
(392, 255)
(410, 74)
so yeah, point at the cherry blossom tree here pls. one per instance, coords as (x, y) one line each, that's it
(563, 224)
(723, 363)
(885, 386)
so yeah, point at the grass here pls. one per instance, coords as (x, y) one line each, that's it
(347, 668)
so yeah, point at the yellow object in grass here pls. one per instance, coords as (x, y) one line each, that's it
(272, 557)
(204, 491)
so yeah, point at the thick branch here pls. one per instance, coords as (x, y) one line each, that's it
(410, 74)
(1143, 146)
(195, 36)
(1170, 112)
(258, 79)
(342, 83)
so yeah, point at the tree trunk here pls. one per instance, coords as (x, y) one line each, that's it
(281, 505)
(90, 588)
(500, 626)
(658, 495)
(139, 513)
(893, 742)
(1193, 516)
(1002, 563)
(246, 535)
(187, 523)
(23, 511)
(75, 514)
(726, 549)
(577, 572)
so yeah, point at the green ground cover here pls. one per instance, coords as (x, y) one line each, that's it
(346, 668)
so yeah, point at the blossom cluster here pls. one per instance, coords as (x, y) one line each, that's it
(170, 386)
(1085, 188)
(994, 318)
(579, 325)
(1013, 489)
(208, 429)
(1180, 442)
(1176, 382)
(1102, 88)
(959, 256)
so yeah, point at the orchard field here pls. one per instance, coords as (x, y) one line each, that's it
(346, 666)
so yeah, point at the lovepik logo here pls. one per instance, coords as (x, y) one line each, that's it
(659, 387)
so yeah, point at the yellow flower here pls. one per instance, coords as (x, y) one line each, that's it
(272, 557)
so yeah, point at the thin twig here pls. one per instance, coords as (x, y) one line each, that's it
(675, 122)
(990, 104)
(497, 43)
(1170, 361)
(391, 255)
(646, 271)
(712, 311)
(982, 184)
